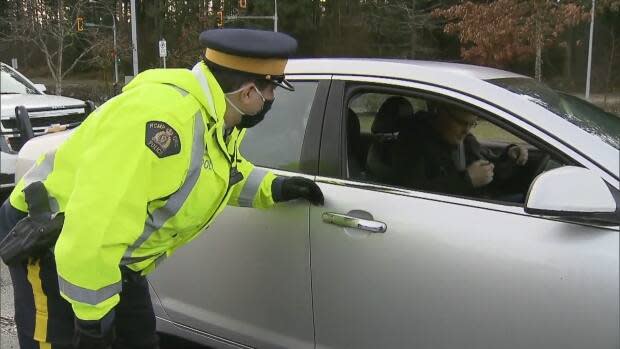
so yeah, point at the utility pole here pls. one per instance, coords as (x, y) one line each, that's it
(115, 51)
(134, 38)
(590, 51)
(275, 16)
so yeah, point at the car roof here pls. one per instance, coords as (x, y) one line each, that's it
(396, 68)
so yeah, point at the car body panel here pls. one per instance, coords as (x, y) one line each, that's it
(9, 102)
(448, 275)
(31, 151)
(246, 279)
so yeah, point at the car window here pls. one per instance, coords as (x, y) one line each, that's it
(586, 116)
(11, 83)
(367, 105)
(486, 131)
(276, 141)
(431, 145)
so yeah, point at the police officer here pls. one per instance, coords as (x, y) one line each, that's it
(143, 175)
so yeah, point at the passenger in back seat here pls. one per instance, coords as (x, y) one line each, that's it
(437, 153)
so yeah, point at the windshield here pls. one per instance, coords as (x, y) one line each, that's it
(11, 83)
(587, 116)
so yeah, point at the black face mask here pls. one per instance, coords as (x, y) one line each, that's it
(248, 121)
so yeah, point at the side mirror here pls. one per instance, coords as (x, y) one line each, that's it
(575, 193)
(40, 87)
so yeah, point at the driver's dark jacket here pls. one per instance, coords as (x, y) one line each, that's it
(424, 161)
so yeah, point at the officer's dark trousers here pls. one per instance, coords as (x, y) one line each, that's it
(45, 320)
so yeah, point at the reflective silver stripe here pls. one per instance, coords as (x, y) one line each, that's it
(204, 84)
(39, 173)
(251, 187)
(155, 221)
(87, 296)
(131, 260)
(179, 90)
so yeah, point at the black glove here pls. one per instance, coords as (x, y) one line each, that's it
(94, 334)
(289, 188)
(33, 235)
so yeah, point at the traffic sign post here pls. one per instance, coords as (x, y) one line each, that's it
(163, 52)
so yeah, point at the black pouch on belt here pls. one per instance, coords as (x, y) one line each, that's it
(34, 234)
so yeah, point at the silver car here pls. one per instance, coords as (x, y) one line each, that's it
(383, 265)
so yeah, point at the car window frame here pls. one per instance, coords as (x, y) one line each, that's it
(333, 155)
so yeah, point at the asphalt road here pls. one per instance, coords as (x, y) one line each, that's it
(8, 331)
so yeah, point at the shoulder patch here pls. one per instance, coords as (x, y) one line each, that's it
(162, 139)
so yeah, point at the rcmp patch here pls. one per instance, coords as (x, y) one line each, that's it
(162, 139)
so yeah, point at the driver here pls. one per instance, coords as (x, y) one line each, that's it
(440, 154)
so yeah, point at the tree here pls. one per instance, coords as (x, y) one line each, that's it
(402, 28)
(51, 28)
(343, 30)
(504, 31)
(608, 13)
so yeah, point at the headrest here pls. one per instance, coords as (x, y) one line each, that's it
(353, 122)
(392, 115)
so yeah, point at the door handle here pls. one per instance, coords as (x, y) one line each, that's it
(354, 222)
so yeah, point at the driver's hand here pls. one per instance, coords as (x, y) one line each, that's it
(480, 173)
(518, 154)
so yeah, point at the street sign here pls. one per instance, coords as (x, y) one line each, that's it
(162, 48)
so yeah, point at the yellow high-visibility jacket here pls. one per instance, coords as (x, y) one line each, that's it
(143, 175)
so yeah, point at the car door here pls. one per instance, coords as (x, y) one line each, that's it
(395, 267)
(246, 280)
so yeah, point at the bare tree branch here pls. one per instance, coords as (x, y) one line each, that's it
(68, 70)
(50, 27)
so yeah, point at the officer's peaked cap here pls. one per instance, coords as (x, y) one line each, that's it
(259, 52)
